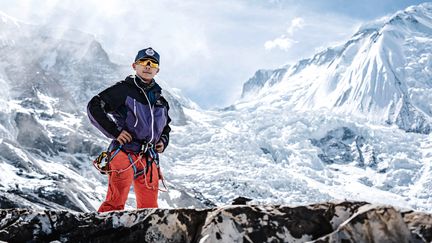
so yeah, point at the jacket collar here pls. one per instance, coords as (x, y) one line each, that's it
(152, 85)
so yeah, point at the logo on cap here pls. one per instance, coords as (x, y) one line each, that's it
(150, 52)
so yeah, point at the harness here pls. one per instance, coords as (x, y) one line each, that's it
(101, 163)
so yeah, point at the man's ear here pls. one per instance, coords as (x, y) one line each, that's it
(134, 66)
(157, 70)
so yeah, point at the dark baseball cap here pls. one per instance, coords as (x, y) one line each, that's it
(148, 53)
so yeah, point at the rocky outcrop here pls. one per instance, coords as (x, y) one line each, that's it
(326, 222)
(382, 224)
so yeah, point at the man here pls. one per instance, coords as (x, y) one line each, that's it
(135, 115)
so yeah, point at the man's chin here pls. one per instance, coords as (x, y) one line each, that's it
(146, 77)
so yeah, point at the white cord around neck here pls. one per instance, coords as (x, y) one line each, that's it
(150, 107)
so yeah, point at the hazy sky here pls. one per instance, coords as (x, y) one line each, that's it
(210, 48)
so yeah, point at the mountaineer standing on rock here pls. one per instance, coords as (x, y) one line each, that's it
(135, 115)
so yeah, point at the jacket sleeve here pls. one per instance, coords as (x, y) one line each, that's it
(167, 129)
(104, 103)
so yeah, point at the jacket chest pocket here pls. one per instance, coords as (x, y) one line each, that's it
(138, 115)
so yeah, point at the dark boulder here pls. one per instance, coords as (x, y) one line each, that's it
(326, 222)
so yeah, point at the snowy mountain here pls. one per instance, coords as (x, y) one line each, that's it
(330, 127)
(382, 73)
(46, 145)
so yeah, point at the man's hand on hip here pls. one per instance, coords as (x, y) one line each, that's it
(124, 137)
(160, 147)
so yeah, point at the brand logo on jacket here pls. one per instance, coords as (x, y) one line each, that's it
(158, 102)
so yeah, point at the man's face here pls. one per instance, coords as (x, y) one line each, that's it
(145, 69)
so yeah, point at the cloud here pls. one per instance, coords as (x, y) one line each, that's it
(282, 42)
(286, 41)
(296, 24)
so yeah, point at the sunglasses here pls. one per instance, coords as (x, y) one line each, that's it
(145, 62)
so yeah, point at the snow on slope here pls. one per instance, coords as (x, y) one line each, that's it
(382, 73)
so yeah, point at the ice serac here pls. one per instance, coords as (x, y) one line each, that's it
(381, 73)
(325, 222)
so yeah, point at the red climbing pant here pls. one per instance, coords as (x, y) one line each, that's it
(120, 181)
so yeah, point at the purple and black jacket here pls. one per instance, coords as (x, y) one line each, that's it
(123, 106)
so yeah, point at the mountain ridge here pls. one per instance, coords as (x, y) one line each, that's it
(368, 76)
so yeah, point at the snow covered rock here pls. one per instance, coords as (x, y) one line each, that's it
(380, 224)
(352, 221)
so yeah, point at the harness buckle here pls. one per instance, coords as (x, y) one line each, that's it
(145, 147)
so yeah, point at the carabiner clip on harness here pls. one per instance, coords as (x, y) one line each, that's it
(101, 163)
